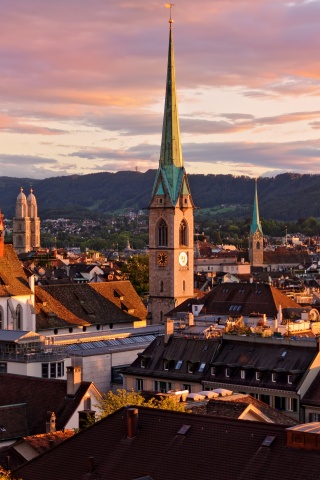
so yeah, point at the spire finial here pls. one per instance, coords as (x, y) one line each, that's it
(170, 5)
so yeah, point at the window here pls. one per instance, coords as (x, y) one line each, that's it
(290, 379)
(1, 318)
(213, 371)
(53, 370)
(202, 367)
(280, 403)
(161, 286)
(265, 399)
(186, 386)
(273, 377)
(162, 233)
(178, 365)
(162, 387)
(139, 384)
(18, 317)
(3, 367)
(258, 376)
(60, 369)
(143, 362)
(184, 285)
(183, 233)
(292, 404)
(45, 370)
(190, 368)
(314, 417)
(258, 245)
(227, 372)
(166, 365)
(243, 374)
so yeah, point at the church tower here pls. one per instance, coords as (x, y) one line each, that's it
(26, 224)
(171, 214)
(256, 235)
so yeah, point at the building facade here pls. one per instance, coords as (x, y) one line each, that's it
(171, 214)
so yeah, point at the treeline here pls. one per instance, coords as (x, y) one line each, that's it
(286, 197)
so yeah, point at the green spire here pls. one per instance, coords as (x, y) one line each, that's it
(171, 169)
(255, 224)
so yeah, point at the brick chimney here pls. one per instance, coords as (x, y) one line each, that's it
(132, 422)
(2, 229)
(168, 330)
(74, 379)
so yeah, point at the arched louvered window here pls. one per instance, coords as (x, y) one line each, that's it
(162, 234)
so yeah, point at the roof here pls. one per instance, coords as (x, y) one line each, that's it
(312, 395)
(13, 421)
(87, 304)
(242, 299)
(171, 445)
(51, 395)
(236, 404)
(197, 352)
(266, 356)
(13, 280)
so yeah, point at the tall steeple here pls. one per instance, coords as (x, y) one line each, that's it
(255, 224)
(256, 235)
(171, 213)
(170, 175)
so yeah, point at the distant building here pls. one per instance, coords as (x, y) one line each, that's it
(26, 224)
(256, 235)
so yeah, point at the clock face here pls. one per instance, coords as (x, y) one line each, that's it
(162, 259)
(183, 259)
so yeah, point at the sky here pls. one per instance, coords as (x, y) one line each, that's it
(82, 86)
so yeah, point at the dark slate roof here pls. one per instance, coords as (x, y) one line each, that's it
(312, 395)
(282, 256)
(87, 304)
(247, 297)
(175, 445)
(268, 356)
(13, 280)
(40, 395)
(13, 421)
(234, 405)
(198, 352)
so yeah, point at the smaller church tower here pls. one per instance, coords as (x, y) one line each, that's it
(256, 235)
(34, 221)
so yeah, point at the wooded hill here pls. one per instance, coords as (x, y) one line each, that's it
(285, 197)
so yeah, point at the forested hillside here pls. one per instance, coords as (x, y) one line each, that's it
(285, 197)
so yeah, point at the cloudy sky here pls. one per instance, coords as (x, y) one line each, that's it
(82, 85)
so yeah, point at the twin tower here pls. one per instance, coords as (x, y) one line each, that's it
(26, 224)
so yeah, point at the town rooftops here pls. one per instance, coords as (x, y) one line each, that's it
(141, 443)
(13, 281)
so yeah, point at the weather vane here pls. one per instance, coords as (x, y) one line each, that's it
(170, 5)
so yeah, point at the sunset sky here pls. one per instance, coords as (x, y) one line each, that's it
(82, 85)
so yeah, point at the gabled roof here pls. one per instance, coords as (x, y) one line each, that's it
(247, 298)
(87, 304)
(197, 352)
(312, 395)
(40, 395)
(171, 445)
(13, 280)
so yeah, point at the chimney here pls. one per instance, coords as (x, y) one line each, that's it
(50, 422)
(132, 422)
(73, 380)
(168, 329)
(190, 319)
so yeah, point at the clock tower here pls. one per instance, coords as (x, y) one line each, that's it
(171, 214)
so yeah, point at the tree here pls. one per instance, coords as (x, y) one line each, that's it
(137, 271)
(111, 402)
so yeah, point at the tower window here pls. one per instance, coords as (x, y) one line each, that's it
(162, 233)
(258, 245)
(19, 317)
(183, 233)
(161, 286)
(184, 285)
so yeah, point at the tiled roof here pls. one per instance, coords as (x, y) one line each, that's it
(197, 352)
(40, 395)
(13, 280)
(234, 405)
(267, 357)
(286, 256)
(175, 445)
(13, 421)
(87, 304)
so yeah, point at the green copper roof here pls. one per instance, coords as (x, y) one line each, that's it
(255, 224)
(171, 169)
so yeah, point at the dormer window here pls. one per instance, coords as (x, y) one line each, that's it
(178, 365)
(227, 372)
(143, 362)
(258, 376)
(190, 368)
(273, 377)
(213, 371)
(290, 379)
(166, 365)
(202, 367)
(243, 374)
